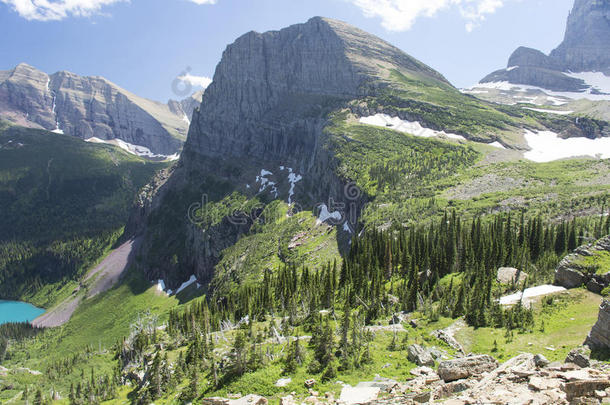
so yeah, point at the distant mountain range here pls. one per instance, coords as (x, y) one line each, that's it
(578, 68)
(93, 108)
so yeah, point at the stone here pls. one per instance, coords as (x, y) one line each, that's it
(543, 384)
(450, 389)
(358, 395)
(419, 371)
(595, 286)
(250, 399)
(419, 355)
(599, 336)
(540, 361)
(579, 356)
(310, 383)
(510, 275)
(282, 382)
(287, 400)
(413, 323)
(568, 277)
(215, 401)
(422, 398)
(587, 388)
(451, 370)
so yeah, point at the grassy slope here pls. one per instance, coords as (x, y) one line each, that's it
(64, 203)
(566, 325)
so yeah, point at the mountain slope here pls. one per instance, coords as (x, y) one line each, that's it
(88, 107)
(64, 203)
(289, 124)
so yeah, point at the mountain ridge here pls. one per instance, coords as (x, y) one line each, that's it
(89, 107)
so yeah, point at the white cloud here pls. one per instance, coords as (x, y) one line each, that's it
(53, 10)
(400, 15)
(197, 81)
(47, 10)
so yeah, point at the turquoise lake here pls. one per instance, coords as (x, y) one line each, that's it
(15, 311)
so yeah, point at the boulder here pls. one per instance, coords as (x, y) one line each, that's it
(358, 395)
(457, 369)
(510, 275)
(420, 355)
(310, 383)
(282, 382)
(579, 356)
(251, 399)
(568, 277)
(577, 389)
(599, 337)
(215, 401)
(595, 286)
(540, 361)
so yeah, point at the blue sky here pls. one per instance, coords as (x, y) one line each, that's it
(143, 45)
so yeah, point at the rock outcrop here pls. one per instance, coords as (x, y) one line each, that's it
(585, 48)
(88, 107)
(599, 337)
(573, 273)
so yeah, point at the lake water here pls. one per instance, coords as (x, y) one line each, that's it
(15, 311)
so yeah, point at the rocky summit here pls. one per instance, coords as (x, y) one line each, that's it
(89, 107)
(585, 48)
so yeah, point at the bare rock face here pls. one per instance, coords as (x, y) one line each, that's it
(88, 107)
(599, 337)
(273, 106)
(420, 355)
(585, 48)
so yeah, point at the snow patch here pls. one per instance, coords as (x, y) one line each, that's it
(137, 150)
(265, 182)
(410, 127)
(187, 283)
(346, 227)
(547, 146)
(497, 144)
(161, 286)
(530, 293)
(506, 86)
(595, 80)
(325, 215)
(185, 118)
(293, 179)
(511, 68)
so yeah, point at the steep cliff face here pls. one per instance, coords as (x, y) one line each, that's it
(585, 48)
(273, 106)
(88, 107)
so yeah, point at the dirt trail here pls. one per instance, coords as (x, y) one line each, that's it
(99, 279)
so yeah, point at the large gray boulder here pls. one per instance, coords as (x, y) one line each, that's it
(420, 355)
(567, 276)
(599, 337)
(465, 367)
(571, 273)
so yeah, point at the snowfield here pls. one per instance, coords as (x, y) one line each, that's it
(596, 81)
(530, 293)
(547, 146)
(137, 150)
(187, 283)
(410, 127)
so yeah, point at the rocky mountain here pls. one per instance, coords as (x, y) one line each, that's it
(89, 107)
(580, 64)
(280, 125)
